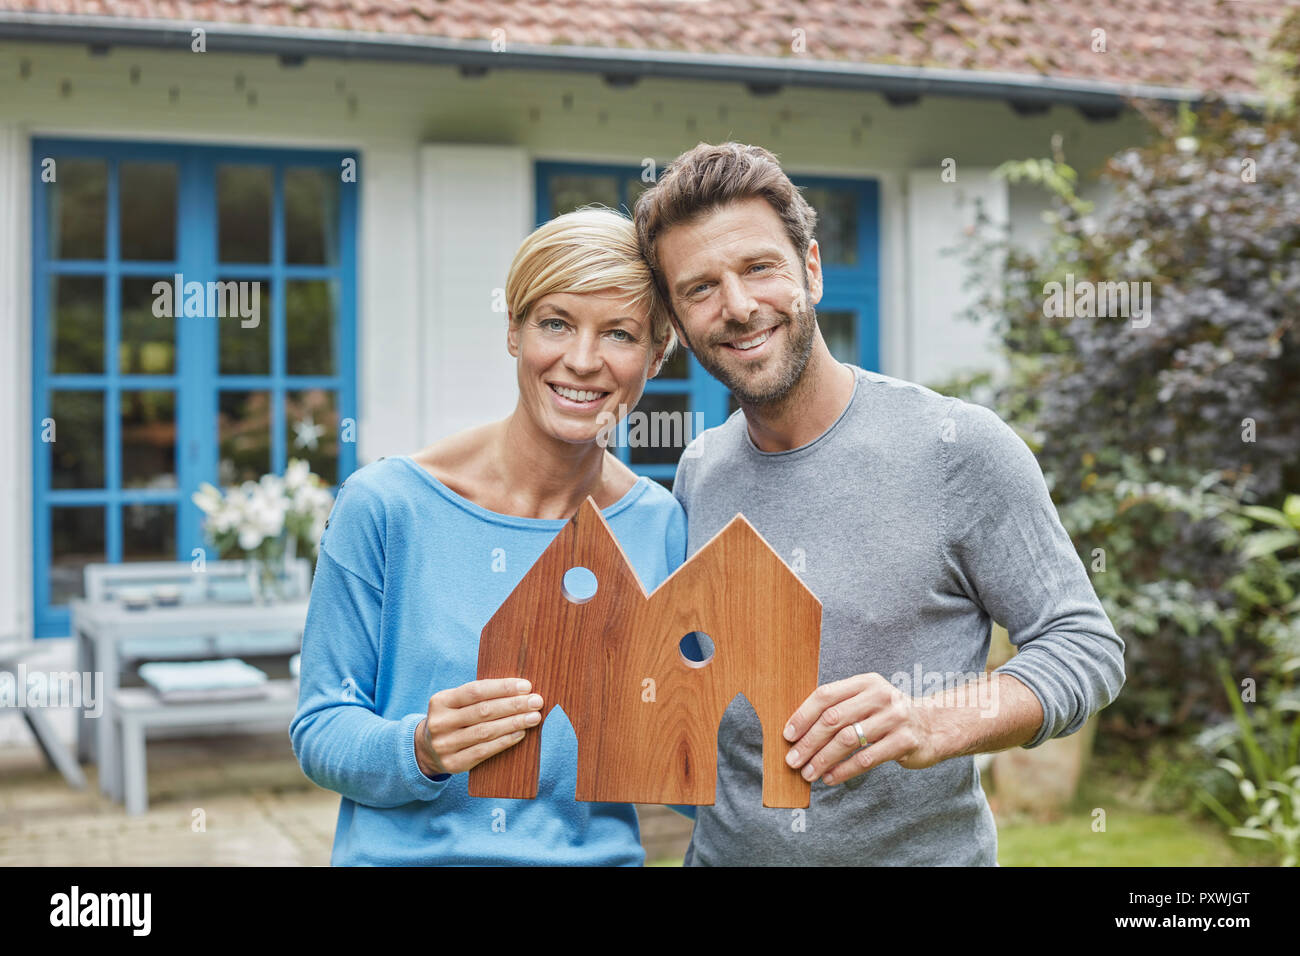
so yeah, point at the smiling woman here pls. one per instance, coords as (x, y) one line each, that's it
(422, 550)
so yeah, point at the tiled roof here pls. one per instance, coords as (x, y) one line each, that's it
(1198, 44)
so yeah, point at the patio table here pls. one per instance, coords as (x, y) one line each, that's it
(101, 627)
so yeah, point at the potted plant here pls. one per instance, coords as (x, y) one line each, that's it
(267, 523)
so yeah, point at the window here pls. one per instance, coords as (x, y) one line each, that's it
(193, 321)
(848, 314)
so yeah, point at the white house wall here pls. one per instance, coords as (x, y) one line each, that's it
(446, 193)
(15, 403)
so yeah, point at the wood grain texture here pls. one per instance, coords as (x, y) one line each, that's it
(642, 742)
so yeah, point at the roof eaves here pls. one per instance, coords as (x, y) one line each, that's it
(900, 83)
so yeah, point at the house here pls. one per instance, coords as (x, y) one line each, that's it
(333, 193)
(616, 662)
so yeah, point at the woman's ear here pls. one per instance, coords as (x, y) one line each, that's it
(657, 362)
(512, 335)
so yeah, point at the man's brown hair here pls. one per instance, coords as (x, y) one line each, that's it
(706, 177)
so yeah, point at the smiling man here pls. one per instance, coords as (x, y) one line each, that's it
(916, 518)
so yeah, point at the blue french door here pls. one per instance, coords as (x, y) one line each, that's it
(848, 234)
(194, 320)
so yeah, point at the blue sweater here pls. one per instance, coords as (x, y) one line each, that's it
(409, 573)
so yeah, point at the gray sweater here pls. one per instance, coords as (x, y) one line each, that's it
(917, 520)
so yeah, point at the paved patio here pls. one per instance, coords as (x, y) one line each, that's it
(258, 810)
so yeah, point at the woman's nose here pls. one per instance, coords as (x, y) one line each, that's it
(583, 356)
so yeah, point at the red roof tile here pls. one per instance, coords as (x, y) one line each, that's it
(1200, 44)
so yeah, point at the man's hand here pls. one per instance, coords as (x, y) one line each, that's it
(993, 713)
(897, 726)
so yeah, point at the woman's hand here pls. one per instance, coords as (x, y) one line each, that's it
(470, 723)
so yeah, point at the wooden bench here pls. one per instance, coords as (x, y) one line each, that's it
(201, 627)
(137, 709)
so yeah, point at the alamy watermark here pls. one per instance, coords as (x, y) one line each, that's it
(950, 688)
(1091, 300)
(652, 429)
(83, 691)
(209, 300)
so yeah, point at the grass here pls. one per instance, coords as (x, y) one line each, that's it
(1134, 836)
(1131, 838)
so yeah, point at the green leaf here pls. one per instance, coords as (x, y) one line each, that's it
(1269, 542)
(1291, 508)
(1267, 515)
(1250, 834)
(1231, 767)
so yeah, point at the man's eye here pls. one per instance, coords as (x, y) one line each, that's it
(759, 265)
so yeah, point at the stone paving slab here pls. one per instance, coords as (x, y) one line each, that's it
(257, 809)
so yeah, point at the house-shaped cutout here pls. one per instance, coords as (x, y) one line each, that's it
(645, 717)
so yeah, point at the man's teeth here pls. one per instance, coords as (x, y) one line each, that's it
(757, 340)
(574, 395)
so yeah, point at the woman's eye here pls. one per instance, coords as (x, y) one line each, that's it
(558, 325)
(627, 336)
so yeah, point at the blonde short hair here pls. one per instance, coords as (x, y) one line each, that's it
(592, 250)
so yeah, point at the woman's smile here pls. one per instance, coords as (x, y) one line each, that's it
(573, 398)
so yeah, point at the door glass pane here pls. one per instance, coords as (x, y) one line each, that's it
(837, 224)
(76, 540)
(148, 343)
(840, 330)
(77, 325)
(147, 200)
(244, 344)
(77, 452)
(678, 364)
(244, 213)
(309, 310)
(78, 208)
(148, 439)
(659, 429)
(149, 532)
(570, 192)
(244, 436)
(312, 430)
(311, 199)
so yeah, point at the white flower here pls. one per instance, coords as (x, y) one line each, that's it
(208, 499)
(297, 476)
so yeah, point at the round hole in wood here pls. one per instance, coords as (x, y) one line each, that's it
(579, 585)
(696, 649)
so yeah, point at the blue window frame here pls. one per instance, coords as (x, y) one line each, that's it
(143, 406)
(848, 233)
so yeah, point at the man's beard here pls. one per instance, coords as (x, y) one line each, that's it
(790, 364)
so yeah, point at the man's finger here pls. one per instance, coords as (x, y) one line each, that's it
(860, 706)
(883, 751)
(877, 722)
(841, 742)
(827, 695)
